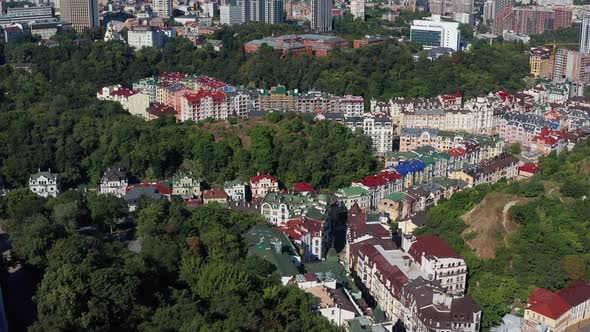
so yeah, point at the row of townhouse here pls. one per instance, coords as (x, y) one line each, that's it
(421, 284)
(521, 128)
(441, 140)
(490, 171)
(565, 310)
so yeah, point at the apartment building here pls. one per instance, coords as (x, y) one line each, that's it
(203, 105)
(378, 186)
(379, 129)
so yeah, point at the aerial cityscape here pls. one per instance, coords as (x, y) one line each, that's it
(295, 165)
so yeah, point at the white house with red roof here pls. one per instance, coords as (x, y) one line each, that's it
(309, 234)
(304, 188)
(380, 185)
(568, 309)
(133, 101)
(437, 261)
(527, 170)
(545, 309)
(262, 184)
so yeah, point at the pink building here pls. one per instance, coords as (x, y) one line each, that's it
(204, 105)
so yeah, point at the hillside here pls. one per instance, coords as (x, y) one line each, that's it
(519, 236)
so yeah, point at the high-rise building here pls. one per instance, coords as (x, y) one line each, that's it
(81, 14)
(321, 15)
(500, 5)
(230, 14)
(571, 65)
(357, 9)
(541, 61)
(532, 20)
(489, 11)
(273, 11)
(162, 8)
(245, 9)
(585, 34)
(256, 10)
(436, 33)
(460, 10)
(28, 15)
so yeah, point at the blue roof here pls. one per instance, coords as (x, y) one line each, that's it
(414, 166)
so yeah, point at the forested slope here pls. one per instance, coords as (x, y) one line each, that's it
(551, 246)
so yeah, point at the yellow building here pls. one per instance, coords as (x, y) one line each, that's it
(541, 61)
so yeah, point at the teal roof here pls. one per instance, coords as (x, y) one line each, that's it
(396, 197)
(262, 242)
(354, 191)
(230, 184)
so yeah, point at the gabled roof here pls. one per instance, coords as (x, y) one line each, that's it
(214, 193)
(303, 187)
(547, 303)
(529, 168)
(259, 177)
(431, 246)
(576, 294)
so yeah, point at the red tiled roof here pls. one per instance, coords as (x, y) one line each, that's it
(259, 177)
(529, 168)
(124, 92)
(380, 179)
(547, 303)
(204, 93)
(303, 187)
(174, 76)
(214, 193)
(310, 277)
(431, 246)
(576, 294)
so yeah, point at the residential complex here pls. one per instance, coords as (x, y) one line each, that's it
(321, 15)
(532, 20)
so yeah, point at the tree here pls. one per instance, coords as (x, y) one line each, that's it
(106, 210)
(32, 238)
(515, 149)
(67, 215)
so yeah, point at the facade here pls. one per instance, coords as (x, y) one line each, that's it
(308, 234)
(215, 195)
(355, 195)
(205, 105)
(236, 190)
(273, 11)
(351, 106)
(379, 129)
(585, 33)
(357, 9)
(114, 182)
(163, 8)
(380, 185)
(321, 15)
(27, 15)
(436, 33)
(145, 36)
(571, 65)
(82, 14)
(230, 15)
(45, 184)
(186, 185)
(541, 62)
(438, 262)
(333, 304)
(531, 20)
(262, 184)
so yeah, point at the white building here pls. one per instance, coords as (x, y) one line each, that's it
(236, 190)
(436, 33)
(162, 8)
(114, 182)
(45, 184)
(133, 101)
(186, 185)
(585, 33)
(230, 15)
(145, 36)
(351, 106)
(242, 101)
(357, 9)
(437, 261)
(333, 304)
(379, 129)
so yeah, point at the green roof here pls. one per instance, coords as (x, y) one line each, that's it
(354, 191)
(396, 197)
(181, 175)
(229, 184)
(279, 90)
(262, 241)
(425, 150)
(286, 198)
